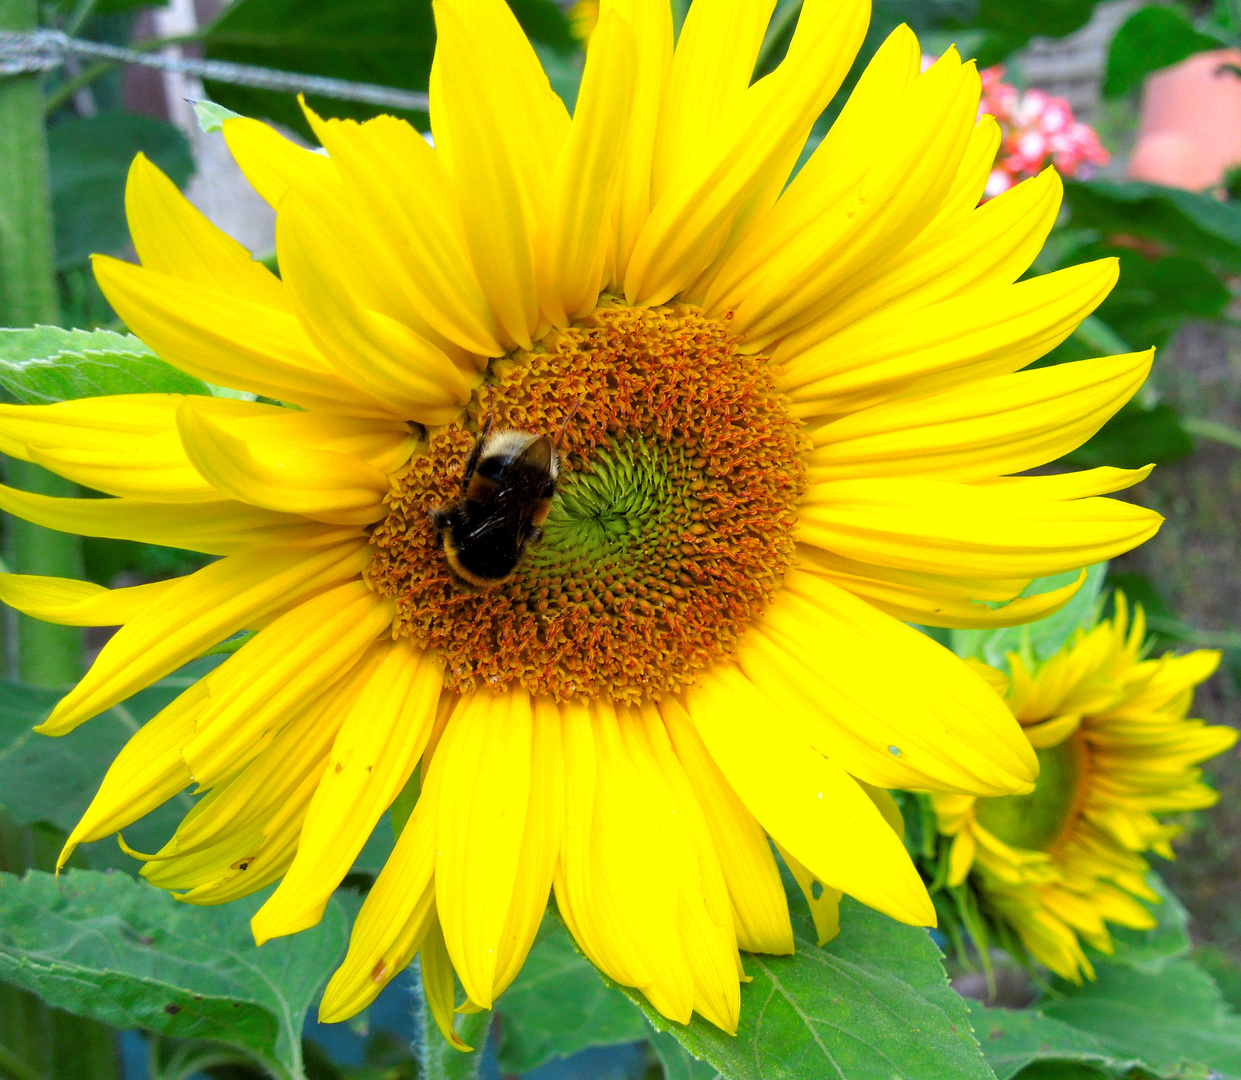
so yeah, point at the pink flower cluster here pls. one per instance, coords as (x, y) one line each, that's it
(1036, 127)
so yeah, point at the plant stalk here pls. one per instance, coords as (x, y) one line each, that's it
(47, 655)
(439, 1061)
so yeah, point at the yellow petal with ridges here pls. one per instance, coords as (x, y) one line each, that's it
(809, 251)
(367, 347)
(1070, 485)
(652, 26)
(173, 237)
(711, 68)
(396, 916)
(993, 244)
(983, 333)
(374, 754)
(806, 802)
(760, 910)
(287, 474)
(540, 846)
(231, 341)
(689, 221)
(286, 665)
(573, 241)
(441, 990)
(938, 527)
(214, 528)
(147, 772)
(202, 610)
(273, 164)
(503, 124)
(484, 800)
(68, 602)
(123, 445)
(988, 428)
(404, 191)
(931, 725)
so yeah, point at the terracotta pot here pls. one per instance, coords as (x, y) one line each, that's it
(1190, 129)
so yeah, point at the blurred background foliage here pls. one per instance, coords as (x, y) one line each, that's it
(1180, 254)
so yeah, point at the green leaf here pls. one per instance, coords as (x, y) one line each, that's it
(211, 116)
(1012, 1040)
(1135, 436)
(45, 364)
(1039, 640)
(1151, 38)
(1176, 1022)
(1154, 296)
(89, 160)
(386, 42)
(560, 1004)
(677, 1062)
(872, 1004)
(127, 954)
(1151, 950)
(1178, 222)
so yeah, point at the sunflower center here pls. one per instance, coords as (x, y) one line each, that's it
(1037, 821)
(671, 527)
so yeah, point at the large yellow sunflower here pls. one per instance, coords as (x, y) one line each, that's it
(1115, 749)
(787, 419)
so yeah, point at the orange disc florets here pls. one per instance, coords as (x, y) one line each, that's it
(672, 526)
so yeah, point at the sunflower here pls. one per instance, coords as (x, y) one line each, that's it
(1115, 749)
(786, 416)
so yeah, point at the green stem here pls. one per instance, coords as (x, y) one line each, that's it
(439, 1061)
(48, 655)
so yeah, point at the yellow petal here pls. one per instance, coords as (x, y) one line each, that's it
(124, 445)
(739, 151)
(484, 800)
(404, 191)
(819, 242)
(712, 67)
(279, 670)
(503, 123)
(937, 527)
(825, 907)
(993, 244)
(230, 340)
(805, 801)
(439, 986)
(280, 463)
(574, 240)
(396, 916)
(174, 238)
(68, 602)
(215, 528)
(760, 910)
(1070, 485)
(938, 608)
(147, 772)
(199, 612)
(652, 27)
(540, 847)
(981, 333)
(929, 722)
(272, 163)
(383, 734)
(994, 426)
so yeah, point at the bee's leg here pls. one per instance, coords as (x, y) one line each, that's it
(536, 534)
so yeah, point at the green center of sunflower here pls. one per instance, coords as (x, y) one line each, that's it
(670, 530)
(1038, 821)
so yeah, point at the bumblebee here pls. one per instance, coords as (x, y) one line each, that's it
(506, 493)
